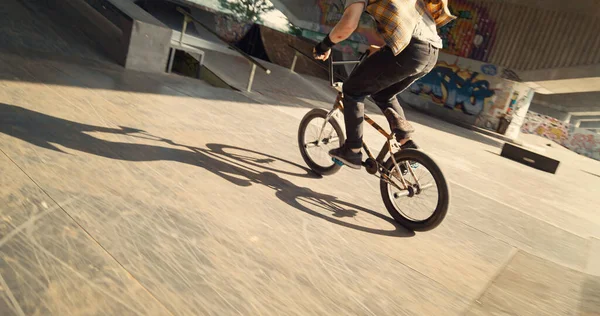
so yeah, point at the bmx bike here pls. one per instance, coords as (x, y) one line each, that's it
(403, 173)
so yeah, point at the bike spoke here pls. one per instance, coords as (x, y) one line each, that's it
(418, 200)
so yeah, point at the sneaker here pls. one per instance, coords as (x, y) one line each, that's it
(409, 144)
(347, 156)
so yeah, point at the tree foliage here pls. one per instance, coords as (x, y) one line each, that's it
(294, 30)
(247, 10)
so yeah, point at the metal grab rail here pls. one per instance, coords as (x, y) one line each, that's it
(187, 17)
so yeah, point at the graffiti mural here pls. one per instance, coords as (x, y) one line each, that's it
(547, 127)
(579, 140)
(472, 34)
(455, 88)
(585, 143)
(331, 12)
(475, 91)
(230, 29)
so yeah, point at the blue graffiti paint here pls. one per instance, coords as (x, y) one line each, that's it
(490, 70)
(469, 93)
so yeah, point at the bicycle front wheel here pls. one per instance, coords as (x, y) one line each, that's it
(424, 204)
(316, 137)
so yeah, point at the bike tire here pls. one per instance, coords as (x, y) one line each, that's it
(443, 189)
(311, 115)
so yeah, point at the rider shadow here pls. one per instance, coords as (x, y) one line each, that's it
(43, 130)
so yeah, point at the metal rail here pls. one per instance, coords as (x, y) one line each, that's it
(187, 17)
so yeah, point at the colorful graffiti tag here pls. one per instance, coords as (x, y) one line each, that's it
(472, 34)
(585, 143)
(230, 29)
(546, 126)
(455, 88)
(579, 140)
(331, 12)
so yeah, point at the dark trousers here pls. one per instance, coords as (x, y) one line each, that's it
(382, 76)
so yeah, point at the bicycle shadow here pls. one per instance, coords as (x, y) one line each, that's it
(243, 170)
(292, 194)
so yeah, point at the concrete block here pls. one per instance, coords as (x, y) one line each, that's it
(148, 48)
(529, 158)
(129, 35)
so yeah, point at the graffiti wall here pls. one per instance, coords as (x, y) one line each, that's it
(546, 126)
(478, 91)
(455, 88)
(331, 11)
(579, 140)
(229, 28)
(472, 34)
(584, 142)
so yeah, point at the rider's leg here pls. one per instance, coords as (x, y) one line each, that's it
(377, 72)
(362, 82)
(386, 99)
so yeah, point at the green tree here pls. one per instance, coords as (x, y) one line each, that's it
(247, 10)
(294, 30)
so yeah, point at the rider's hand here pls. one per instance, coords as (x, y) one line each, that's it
(323, 56)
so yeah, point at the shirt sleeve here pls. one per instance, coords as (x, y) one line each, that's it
(351, 2)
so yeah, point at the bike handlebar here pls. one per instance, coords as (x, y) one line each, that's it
(332, 63)
(335, 63)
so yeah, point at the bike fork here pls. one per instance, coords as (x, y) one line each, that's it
(337, 106)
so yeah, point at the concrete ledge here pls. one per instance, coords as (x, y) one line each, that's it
(462, 123)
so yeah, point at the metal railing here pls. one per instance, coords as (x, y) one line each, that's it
(187, 18)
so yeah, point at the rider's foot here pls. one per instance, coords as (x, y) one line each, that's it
(349, 157)
(408, 143)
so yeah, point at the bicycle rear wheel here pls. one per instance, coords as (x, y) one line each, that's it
(315, 150)
(425, 204)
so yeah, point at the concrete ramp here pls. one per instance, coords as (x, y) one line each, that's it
(34, 28)
(281, 85)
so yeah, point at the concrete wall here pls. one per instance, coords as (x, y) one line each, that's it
(471, 92)
(590, 124)
(128, 34)
(552, 112)
(564, 107)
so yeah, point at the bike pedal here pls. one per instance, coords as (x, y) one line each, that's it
(337, 162)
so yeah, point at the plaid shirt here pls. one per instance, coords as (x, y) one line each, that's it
(397, 19)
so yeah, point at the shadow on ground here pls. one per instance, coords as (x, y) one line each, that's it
(591, 173)
(245, 169)
(590, 296)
